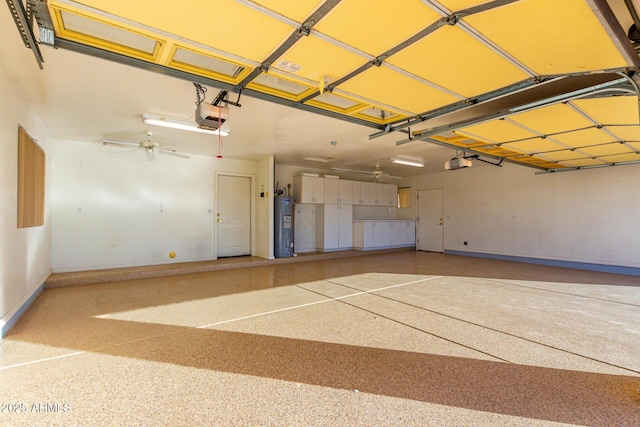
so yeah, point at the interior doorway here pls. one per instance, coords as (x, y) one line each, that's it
(430, 220)
(233, 217)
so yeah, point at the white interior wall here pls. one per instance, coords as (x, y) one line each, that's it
(265, 211)
(113, 208)
(589, 216)
(25, 254)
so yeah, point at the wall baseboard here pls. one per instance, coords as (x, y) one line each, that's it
(602, 268)
(18, 314)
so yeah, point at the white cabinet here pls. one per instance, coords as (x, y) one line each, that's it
(390, 197)
(346, 192)
(368, 193)
(374, 194)
(383, 234)
(331, 190)
(334, 229)
(338, 191)
(360, 194)
(356, 193)
(308, 189)
(378, 191)
(403, 233)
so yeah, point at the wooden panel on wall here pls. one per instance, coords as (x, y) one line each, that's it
(31, 167)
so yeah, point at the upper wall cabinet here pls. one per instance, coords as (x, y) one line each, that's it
(308, 189)
(338, 191)
(360, 193)
(382, 194)
(390, 195)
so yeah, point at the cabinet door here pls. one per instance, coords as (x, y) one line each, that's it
(368, 193)
(377, 233)
(330, 223)
(308, 189)
(390, 195)
(379, 194)
(356, 193)
(318, 189)
(386, 233)
(346, 192)
(371, 193)
(345, 233)
(302, 189)
(331, 190)
(398, 233)
(368, 234)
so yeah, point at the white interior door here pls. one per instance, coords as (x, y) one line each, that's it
(234, 216)
(430, 221)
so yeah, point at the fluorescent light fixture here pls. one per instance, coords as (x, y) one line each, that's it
(319, 159)
(180, 124)
(407, 162)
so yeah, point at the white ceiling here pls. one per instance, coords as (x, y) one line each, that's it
(84, 98)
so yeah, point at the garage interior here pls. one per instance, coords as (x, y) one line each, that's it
(521, 115)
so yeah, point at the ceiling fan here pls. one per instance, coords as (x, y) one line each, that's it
(376, 174)
(149, 146)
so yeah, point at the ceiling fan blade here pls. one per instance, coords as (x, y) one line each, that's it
(118, 143)
(391, 176)
(173, 153)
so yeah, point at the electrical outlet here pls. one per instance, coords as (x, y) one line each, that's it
(465, 243)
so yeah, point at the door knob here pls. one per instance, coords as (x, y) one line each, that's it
(219, 220)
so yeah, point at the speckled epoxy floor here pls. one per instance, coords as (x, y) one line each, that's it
(407, 338)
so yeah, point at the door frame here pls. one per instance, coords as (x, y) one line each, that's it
(444, 223)
(252, 219)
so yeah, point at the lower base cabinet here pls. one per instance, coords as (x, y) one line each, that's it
(383, 234)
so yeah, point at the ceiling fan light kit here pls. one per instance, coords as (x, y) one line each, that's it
(181, 124)
(407, 162)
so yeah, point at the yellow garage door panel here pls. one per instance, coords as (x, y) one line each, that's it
(453, 59)
(584, 162)
(537, 145)
(550, 36)
(314, 58)
(622, 110)
(456, 5)
(553, 119)
(385, 86)
(497, 131)
(606, 149)
(584, 137)
(635, 146)
(625, 133)
(250, 34)
(375, 26)
(565, 155)
(298, 10)
(622, 158)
